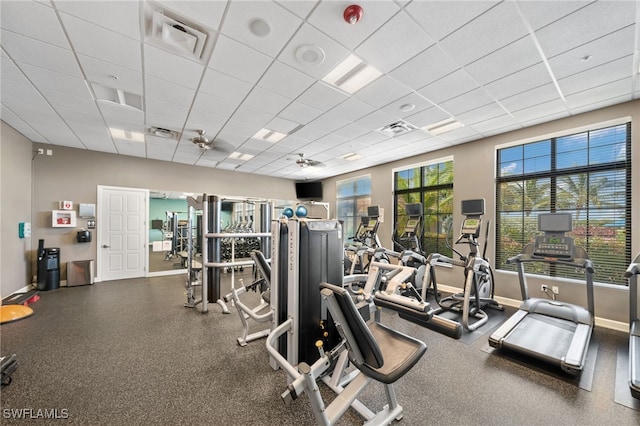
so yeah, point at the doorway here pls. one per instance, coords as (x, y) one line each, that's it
(122, 233)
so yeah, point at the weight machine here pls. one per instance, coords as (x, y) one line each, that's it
(311, 345)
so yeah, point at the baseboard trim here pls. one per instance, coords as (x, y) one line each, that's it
(600, 322)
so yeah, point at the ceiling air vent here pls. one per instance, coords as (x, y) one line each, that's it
(163, 133)
(177, 34)
(397, 128)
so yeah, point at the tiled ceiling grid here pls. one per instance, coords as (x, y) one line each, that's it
(490, 66)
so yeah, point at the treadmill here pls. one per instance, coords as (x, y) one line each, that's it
(549, 330)
(634, 327)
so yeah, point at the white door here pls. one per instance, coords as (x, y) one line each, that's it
(122, 232)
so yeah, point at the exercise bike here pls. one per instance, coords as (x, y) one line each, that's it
(478, 282)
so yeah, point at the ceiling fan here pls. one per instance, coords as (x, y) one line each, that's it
(307, 162)
(205, 143)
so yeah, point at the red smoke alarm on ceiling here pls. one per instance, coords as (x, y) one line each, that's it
(352, 14)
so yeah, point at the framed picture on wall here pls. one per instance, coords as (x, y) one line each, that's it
(63, 218)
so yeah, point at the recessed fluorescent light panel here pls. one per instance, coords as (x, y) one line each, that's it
(352, 156)
(240, 156)
(269, 135)
(126, 135)
(117, 96)
(352, 75)
(443, 126)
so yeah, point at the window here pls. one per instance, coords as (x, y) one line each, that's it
(587, 174)
(432, 186)
(353, 198)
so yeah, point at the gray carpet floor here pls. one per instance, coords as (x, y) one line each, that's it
(129, 352)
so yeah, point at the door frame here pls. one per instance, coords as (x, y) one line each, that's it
(100, 224)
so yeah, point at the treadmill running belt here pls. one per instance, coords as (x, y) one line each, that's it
(543, 337)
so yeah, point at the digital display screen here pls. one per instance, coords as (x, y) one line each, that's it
(554, 240)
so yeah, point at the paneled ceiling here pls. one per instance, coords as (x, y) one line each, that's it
(73, 70)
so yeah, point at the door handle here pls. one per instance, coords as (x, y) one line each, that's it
(105, 246)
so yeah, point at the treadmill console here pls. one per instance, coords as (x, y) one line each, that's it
(554, 243)
(554, 246)
(411, 226)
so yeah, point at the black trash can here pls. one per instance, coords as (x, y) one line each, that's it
(49, 269)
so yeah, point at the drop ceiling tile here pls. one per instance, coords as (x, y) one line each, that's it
(9, 71)
(268, 16)
(117, 115)
(585, 25)
(440, 19)
(329, 141)
(491, 125)
(307, 36)
(266, 100)
(72, 106)
(531, 97)
(492, 30)
(20, 125)
(427, 117)
(19, 17)
(351, 131)
(448, 87)
(328, 123)
(322, 97)
(208, 105)
(512, 58)
(247, 114)
(375, 120)
(159, 117)
(123, 19)
(599, 51)
(419, 103)
(302, 8)
(541, 13)
(236, 59)
(299, 112)
(173, 68)
(600, 93)
(281, 125)
(134, 149)
(160, 148)
(243, 130)
(307, 133)
(46, 79)
(224, 86)
(382, 92)
(285, 81)
(390, 47)
(518, 82)
(200, 120)
(104, 72)
(23, 96)
(459, 136)
(594, 77)
(100, 43)
(96, 141)
(351, 109)
(540, 111)
(163, 90)
(591, 106)
(467, 102)
(481, 114)
(546, 118)
(30, 51)
(425, 68)
(328, 18)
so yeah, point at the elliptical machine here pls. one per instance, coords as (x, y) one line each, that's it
(478, 289)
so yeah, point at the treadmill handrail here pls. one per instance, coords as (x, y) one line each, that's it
(633, 269)
(582, 263)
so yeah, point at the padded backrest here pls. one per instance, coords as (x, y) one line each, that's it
(262, 264)
(366, 343)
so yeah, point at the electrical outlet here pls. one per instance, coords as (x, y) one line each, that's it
(544, 288)
(555, 289)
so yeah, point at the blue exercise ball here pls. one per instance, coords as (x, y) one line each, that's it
(288, 212)
(301, 211)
